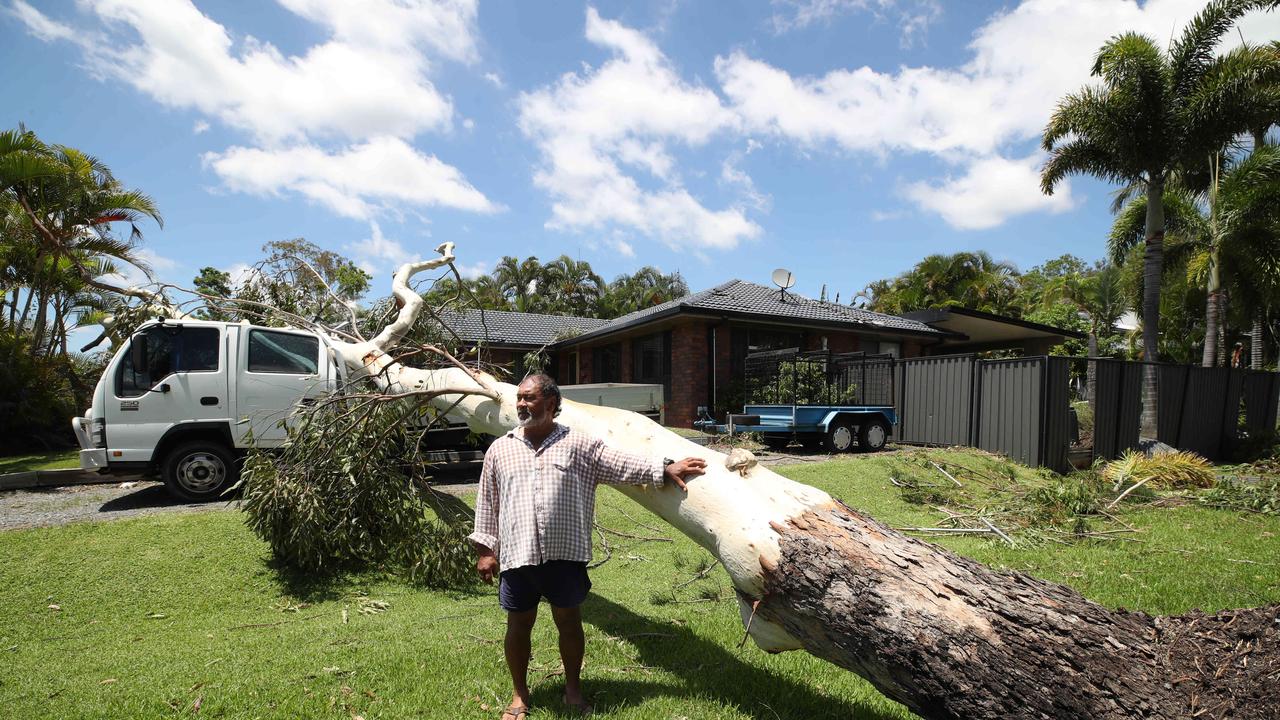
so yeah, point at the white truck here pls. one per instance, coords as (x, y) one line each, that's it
(183, 398)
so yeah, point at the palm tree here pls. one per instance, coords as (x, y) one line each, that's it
(67, 201)
(519, 282)
(1230, 226)
(1153, 112)
(573, 287)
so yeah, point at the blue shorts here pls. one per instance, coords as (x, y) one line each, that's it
(564, 583)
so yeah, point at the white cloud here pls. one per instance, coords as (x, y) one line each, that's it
(474, 270)
(1023, 61)
(39, 24)
(992, 190)
(355, 182)
(627, 112)
(623, 248)
(912, 16)
(335, 107)
(494, 79)
(369, 78)
(378, 250)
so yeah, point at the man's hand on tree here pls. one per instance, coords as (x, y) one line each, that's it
(680, 470)
(487, 566)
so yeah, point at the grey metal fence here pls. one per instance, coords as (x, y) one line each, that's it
(1024, 407)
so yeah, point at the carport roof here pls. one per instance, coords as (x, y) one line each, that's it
(982, 328)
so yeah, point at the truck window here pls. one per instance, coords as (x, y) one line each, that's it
(277, 352)
(170, 349)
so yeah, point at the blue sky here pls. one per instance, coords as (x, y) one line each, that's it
(842, 139)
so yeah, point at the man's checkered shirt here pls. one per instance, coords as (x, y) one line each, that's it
(538, 505)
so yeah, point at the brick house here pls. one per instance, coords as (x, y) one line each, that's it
(695, 346)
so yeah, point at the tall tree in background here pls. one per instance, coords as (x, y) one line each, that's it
(645, 288)
(1153, 113)
(571, 287)
(518, 280)
(59, 208)
(972, 280)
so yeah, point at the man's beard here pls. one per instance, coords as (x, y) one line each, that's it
(526, 419)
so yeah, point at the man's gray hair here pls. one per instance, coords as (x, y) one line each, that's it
(547, 387)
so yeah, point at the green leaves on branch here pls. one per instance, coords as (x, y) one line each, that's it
(349, 493)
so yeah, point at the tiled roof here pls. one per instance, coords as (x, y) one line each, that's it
(740, 298)
(497, 327)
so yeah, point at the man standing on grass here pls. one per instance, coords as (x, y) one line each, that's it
(533, 521)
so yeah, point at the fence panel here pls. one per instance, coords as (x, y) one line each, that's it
(1117, 410)
(1057, 409)
(1261, 394)
(1010, 401)
(1205, 413)
(935, 400)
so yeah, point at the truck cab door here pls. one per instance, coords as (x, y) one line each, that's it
(279, 369)
(168, 374)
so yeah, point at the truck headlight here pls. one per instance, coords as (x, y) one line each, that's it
(99, 432)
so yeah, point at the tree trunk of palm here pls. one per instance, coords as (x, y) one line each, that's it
(1212, 321)
(944, 635)
(1255, 340)
(1091, 370)
(1152, 269)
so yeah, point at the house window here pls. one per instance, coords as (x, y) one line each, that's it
(749, 340)
(891, 348)
(605, 365)
(650, 361)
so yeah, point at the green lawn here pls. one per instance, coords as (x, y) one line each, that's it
(60, 460)
(156, 615)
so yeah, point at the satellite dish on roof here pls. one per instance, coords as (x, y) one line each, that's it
(783, 278)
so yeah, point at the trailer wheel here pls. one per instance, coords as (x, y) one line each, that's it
(839, 436)
(776, 442)
(198, 471)
(873, 435)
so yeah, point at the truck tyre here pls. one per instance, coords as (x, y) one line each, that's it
(839, 436)
(873, 435)
(776, 442)
(199, 471)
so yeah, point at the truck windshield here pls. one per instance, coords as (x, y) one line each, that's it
(169, 349)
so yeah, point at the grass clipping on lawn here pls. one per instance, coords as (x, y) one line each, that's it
(978, 492)
(348, 492)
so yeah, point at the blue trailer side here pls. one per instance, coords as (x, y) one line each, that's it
(838, 428)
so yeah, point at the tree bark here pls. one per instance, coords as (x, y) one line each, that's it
(1091, 370)
(1152, 270)
(946, 636)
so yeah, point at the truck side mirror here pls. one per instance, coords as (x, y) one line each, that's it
(138, 353)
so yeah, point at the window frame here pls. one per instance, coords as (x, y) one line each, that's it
(248, 348)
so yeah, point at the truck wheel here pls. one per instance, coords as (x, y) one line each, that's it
(872, 436)
(775, 442)
(839, 436)
(199, 471)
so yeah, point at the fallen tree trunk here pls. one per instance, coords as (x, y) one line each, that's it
(946, 636)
